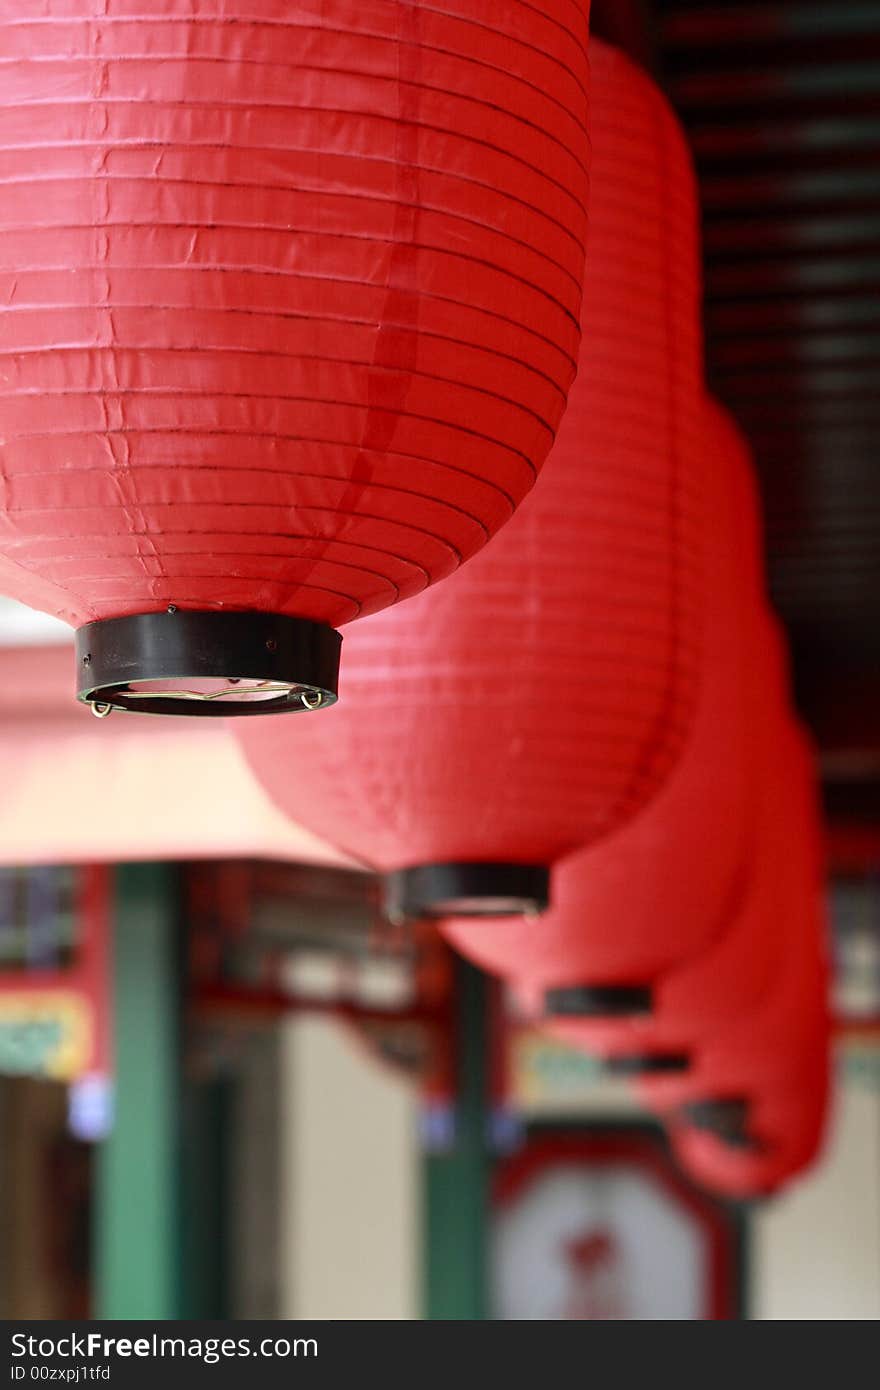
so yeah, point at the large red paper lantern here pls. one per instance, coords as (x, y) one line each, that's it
(541, 696)
(662, 888)
(290, 302)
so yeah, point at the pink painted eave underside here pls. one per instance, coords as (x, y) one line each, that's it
(76, 789)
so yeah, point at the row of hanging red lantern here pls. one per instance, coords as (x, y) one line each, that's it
(588, 976)
(290, 304)
(680, 862)
(607, 676)
(685, 953)
(738, 1035)
(760, 1080)
(292, 309)
(538, 699)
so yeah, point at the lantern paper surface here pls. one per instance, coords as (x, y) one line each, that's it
(541, 696)
(290, 294)
(662, 887)
(740, 965)
(789, 1120)
(762, 1046)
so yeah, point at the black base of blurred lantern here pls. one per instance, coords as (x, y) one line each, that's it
(200, 663)
(726, 1118)
(598, 1001)
(467, 890)
(636, 1064)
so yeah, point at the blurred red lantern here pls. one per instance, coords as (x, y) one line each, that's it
(663, 887)
(788, 1122)
(290, 303)
(739, 968)
(742, 1083)
(735, 1052)
(540, 698)
(736, 1061)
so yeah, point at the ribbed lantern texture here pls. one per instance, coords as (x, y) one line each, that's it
(663, 887)
(289, 293)
(741, 952)
(540, 697)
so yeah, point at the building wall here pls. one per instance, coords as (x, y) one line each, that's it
(816, 1249)
(38, 1280)
(350, 1207)
(350, 1231)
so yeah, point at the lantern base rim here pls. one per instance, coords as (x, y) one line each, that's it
(207, 663)
(636, 1064)
(598, 1001)
(463, 889)
(725, 1117)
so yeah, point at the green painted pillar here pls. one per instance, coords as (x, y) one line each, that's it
(208, 1107)
(137, 1195)
(456, 1180)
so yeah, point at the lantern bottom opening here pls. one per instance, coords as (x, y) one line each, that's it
(598, 1001)
(467, 890)
(205, 663)
(635, 1064)
(727, 1118)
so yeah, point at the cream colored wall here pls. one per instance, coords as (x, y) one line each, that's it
(350, 1245)
(350, 1239)
(816, 1250)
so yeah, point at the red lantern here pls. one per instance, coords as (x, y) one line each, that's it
(789, 1124)
(290, 301)
(662, 888)
(735, 1053)
(538, 699)
(736, 1060)
(738, 970)
(751, 1111)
